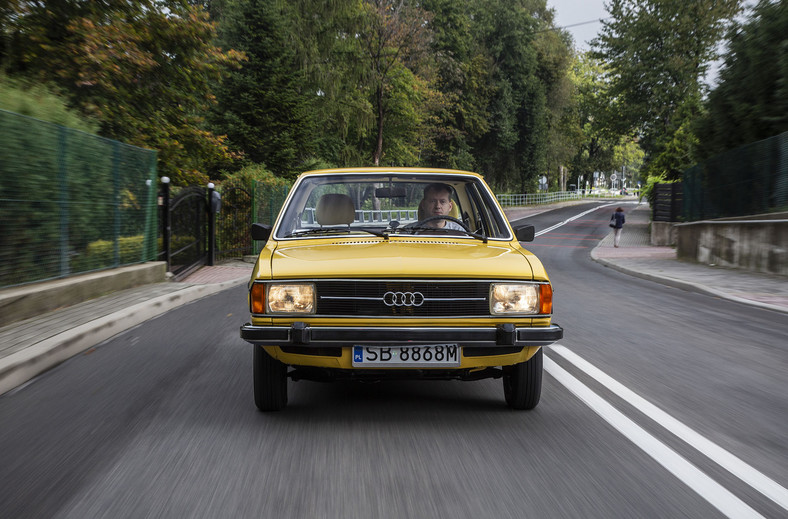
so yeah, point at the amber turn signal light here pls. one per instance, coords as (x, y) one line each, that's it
(257, 298)
(545, 299)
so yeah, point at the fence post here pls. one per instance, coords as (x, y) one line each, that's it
(211, 226)
(65, 267)
(116, 204)
(165, 221)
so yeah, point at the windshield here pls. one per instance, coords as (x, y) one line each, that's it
(391, 204)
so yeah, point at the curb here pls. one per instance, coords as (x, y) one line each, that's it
(20, 367)
(685, 285)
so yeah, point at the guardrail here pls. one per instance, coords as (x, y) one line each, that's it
(371, 216)
(538, 198)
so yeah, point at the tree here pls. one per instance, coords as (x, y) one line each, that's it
(596, 141)
(511, 153)
(750, 102)
(142, 68)
(463, 72)
(656, 53)
(267, 106)
(394, 43)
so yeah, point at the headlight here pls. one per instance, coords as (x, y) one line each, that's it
(520, 298)
(290, 298)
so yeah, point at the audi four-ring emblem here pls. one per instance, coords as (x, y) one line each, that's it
(403, 299)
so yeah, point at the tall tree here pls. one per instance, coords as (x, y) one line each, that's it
(394, 43)
(750, 102)
(267, 106)
(657, 52)
(511, 153)
(142, 68)
(596, 142)
(463, 78)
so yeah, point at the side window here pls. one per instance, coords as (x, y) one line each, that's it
(487, 219)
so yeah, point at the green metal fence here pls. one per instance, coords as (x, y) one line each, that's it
(267, 200)
(71, 202)
(751, 179)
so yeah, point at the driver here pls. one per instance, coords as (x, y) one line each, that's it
(437, 202)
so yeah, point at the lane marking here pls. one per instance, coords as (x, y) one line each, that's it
(745, 472)
(714, 493)
(572, 219)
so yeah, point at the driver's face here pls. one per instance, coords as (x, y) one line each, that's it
(437, 203)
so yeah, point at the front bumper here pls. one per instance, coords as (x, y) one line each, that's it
(304, 335)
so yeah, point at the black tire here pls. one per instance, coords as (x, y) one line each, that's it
(522, 383)
(270, 381)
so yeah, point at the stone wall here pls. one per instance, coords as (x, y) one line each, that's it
(756, 243)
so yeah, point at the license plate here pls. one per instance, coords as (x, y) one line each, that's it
(426, 356)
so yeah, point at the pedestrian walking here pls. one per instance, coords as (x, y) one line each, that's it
(617, 223)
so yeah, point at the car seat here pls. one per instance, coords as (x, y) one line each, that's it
(335, 209)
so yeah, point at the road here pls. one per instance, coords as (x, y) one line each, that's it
(657, 403)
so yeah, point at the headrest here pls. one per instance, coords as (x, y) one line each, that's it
(335, 209)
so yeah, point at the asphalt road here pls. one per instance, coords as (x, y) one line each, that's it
(658, 403)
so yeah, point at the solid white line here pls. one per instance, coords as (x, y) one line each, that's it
(757, 480)
(686, 472)
(561, 224)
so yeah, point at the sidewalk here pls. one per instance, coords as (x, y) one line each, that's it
(32, 346)
(635, 256)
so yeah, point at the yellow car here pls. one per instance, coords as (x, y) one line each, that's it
(380, 273)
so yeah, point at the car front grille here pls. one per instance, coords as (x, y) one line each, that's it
(411, 298)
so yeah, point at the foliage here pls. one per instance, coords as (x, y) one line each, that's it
(657, 52)
(265, 107)
(750, 102)
(252, 173)
(479, 85)
(628, 157)
(141, 68)
(38, 101)
(595, 144)
(649, 192)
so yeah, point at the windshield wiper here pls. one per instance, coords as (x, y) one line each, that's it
(382, 234)
(333, 230)
(319, 230)
(411, 229)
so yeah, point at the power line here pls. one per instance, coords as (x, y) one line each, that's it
(598, 20)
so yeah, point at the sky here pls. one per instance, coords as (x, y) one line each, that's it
(571, 12)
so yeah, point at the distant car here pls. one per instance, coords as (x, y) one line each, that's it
(396, 273)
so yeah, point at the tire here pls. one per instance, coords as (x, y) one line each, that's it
(270, 381)
(522, 383)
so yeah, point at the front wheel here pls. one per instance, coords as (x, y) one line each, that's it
(270, 381)
(522, 383)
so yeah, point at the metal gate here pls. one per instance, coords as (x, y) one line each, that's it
(184, 230)
(232, 224)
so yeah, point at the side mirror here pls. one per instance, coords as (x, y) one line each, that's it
(260, 232)
(525, 233)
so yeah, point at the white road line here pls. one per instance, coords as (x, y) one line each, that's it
(561, 224)
(717, 495)
(748, 474)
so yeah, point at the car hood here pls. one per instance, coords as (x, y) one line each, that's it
(401, 258)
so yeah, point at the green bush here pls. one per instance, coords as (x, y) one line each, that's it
(101, 253)
(41, 102)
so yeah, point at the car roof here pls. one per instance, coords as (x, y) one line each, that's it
(382, 170)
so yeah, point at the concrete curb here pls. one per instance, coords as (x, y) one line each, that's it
(19, 303)
(684, 285)
(18, 368)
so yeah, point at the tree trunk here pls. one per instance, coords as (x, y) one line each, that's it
(379, 144)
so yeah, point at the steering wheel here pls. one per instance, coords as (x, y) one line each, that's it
(421, 223)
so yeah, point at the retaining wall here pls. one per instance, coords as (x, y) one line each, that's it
(756, 243)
